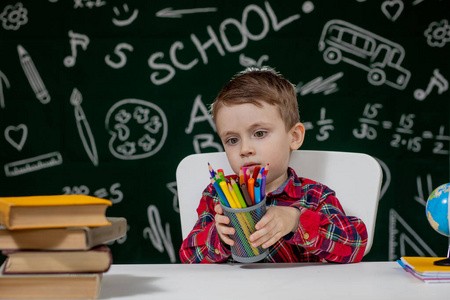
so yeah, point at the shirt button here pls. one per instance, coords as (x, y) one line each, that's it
(306, 236)
(217, 251)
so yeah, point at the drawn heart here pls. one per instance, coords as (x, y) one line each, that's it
(14, 133)
(392, 9)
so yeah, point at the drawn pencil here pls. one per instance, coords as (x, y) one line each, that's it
(33, 76)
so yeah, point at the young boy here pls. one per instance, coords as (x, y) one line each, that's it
(257, 119)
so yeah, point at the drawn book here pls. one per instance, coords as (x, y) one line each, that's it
(55, 286)
(53, 211)
(423, 268)
(72, 238)
(95, 260)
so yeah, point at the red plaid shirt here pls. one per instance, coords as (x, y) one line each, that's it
(324, 233)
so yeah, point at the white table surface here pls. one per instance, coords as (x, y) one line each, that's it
(366, 280)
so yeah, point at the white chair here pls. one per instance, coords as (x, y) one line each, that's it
(355, 177)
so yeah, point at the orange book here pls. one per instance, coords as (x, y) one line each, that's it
(53, 211)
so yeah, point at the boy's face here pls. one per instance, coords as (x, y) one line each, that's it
(254, 136)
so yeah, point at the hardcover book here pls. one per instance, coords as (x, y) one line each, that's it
(95, 260)
(53, 211)
(71, 238)
(54, 286)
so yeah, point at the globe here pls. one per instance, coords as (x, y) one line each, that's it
(437, 209)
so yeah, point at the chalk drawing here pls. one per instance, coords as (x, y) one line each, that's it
(138, 129)
(3, 79)
(169, 12)
(33, 164)
(160, 239)
(319, 85)
(386, 177)
(206, 141)
(14, 16)
(172, 186)
(33, 76)
(84, 130)
(204, 116)
(436, 80)
(392, 9)
(307, 7)
(368, 122)
(325, 125)
(417, 2)
(76, 190)
(381, 58)
(124, 22)
(163, 71)
(438, 33)
(88, 3)
(246, 61)
(76, 39)
(123, 58)
(401, 234)
(115, 194)
(20, 131)
(423, 197)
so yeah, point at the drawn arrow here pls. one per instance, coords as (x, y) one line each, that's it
(170, 13)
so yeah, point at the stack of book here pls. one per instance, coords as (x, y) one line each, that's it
(55, 246)
(423, 268)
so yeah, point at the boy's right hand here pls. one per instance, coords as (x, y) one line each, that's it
(221, 225)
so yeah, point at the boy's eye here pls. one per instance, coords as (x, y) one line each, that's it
(260, 134)
(232, 141)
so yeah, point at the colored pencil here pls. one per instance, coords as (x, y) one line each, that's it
(211, 171)
(256, 172)
(258, 189)
(246, 195)
(238, 193)
(251, 189)
(266, 169)
(233, 194)
(221, 174)
(225, 190)
(222, 197)
(263, 186)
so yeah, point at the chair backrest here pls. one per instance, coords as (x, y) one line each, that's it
(355, 177)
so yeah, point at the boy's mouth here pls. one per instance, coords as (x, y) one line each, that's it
(251, 166)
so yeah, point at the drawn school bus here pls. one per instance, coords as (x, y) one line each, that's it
(381, 58)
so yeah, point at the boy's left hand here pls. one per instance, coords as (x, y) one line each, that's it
(276, 223)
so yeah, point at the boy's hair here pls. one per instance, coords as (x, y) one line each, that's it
(256, 85)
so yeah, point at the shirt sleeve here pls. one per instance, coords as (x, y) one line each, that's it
(203, 244)
(326, 231)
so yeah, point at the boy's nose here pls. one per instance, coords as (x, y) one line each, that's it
(247, 148)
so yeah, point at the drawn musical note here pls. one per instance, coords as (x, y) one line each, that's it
(33, 76)
(436, 80)
(83, 127)
(76, 39)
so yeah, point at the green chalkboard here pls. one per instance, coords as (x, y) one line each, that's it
(105, 97)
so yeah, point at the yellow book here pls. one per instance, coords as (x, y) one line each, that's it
(53, 211)
(425, 264)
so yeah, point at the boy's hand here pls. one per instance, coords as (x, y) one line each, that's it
(276, 223)
(221, 225)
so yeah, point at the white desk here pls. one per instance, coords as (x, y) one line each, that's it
(367, 280)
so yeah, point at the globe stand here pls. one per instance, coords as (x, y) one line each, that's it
(445, 261)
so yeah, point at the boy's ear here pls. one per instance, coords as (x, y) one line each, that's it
(297, 135)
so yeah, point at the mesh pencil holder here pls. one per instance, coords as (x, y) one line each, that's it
(243, 220)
